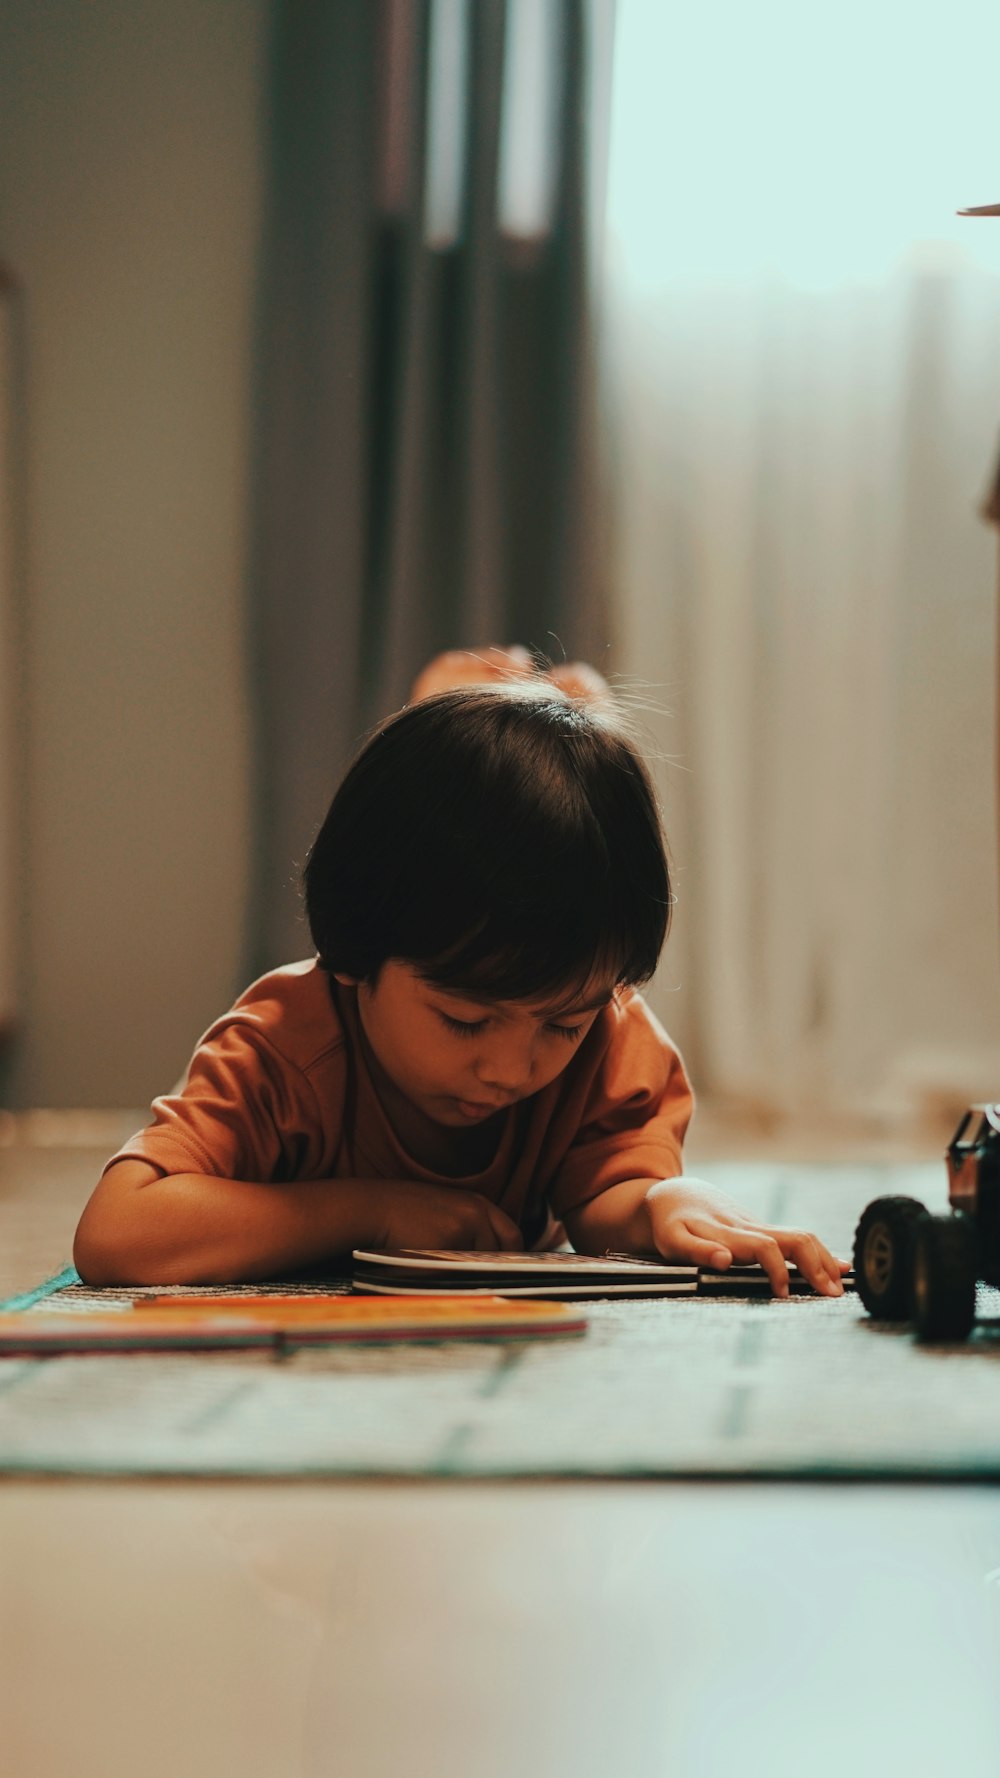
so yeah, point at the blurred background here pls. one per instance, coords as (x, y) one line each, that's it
(336, 333)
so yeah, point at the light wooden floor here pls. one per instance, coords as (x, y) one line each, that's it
(204, 1630)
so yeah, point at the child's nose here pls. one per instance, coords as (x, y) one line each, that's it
(506, 1067)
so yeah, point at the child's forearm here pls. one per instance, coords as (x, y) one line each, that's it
(190, 1228)
(617, 1220)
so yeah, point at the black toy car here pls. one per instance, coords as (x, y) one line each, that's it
(910, 1265)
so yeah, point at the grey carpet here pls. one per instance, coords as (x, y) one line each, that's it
(655, 1388)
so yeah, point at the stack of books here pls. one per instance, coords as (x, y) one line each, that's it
(427, 1271)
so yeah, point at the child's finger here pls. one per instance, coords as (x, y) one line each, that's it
(699, 1250)
(507, 1237)
(747, 1245)
(814, 1261)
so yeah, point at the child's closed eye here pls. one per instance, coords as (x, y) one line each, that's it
(470, 1027)
(463, 1027)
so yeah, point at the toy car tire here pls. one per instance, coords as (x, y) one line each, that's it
(883, 1244)
(944, 1277)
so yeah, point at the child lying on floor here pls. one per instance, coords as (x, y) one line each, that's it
(465, 1062)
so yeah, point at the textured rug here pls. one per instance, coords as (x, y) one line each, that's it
(809, 1387)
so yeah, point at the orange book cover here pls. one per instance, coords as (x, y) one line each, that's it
(186, 1323)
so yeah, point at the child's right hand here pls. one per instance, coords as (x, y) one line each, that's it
(144, 1227)
(405, 1213)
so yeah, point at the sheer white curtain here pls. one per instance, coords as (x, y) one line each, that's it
(802, 376)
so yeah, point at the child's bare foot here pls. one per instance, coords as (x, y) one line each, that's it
(471, 666)
(483, 666)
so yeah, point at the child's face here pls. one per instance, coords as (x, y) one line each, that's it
(459, 1059)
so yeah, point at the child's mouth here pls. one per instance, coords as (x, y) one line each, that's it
(472, 1109)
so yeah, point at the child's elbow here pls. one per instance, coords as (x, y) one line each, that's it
(97, 1252)
(107, 1254)
(108, 1245)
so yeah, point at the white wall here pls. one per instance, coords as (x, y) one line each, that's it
(130, 150)
(9, 824)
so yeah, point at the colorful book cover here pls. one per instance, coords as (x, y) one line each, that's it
(182, 1324)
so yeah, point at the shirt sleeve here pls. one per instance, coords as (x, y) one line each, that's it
(635, 1116)
(244, 1112)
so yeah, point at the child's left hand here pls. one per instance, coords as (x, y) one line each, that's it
(691, 1221)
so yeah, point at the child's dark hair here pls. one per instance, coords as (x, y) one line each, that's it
(504, 840)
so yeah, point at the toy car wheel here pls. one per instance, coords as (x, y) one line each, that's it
(944, 1277)
(883, 1243)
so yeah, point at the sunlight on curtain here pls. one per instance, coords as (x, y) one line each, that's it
(444, 189)
(802, 372)
(766, 140)
(529, 133)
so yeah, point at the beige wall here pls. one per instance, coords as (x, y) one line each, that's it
(130, 145)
